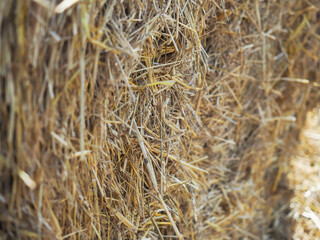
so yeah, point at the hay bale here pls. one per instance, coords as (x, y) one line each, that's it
(150, 119)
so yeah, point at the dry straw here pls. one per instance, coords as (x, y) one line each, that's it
(151, 119)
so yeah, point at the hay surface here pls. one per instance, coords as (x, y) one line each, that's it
(151, 119)
(304, 180)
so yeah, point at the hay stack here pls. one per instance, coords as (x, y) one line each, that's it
(151, 119)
